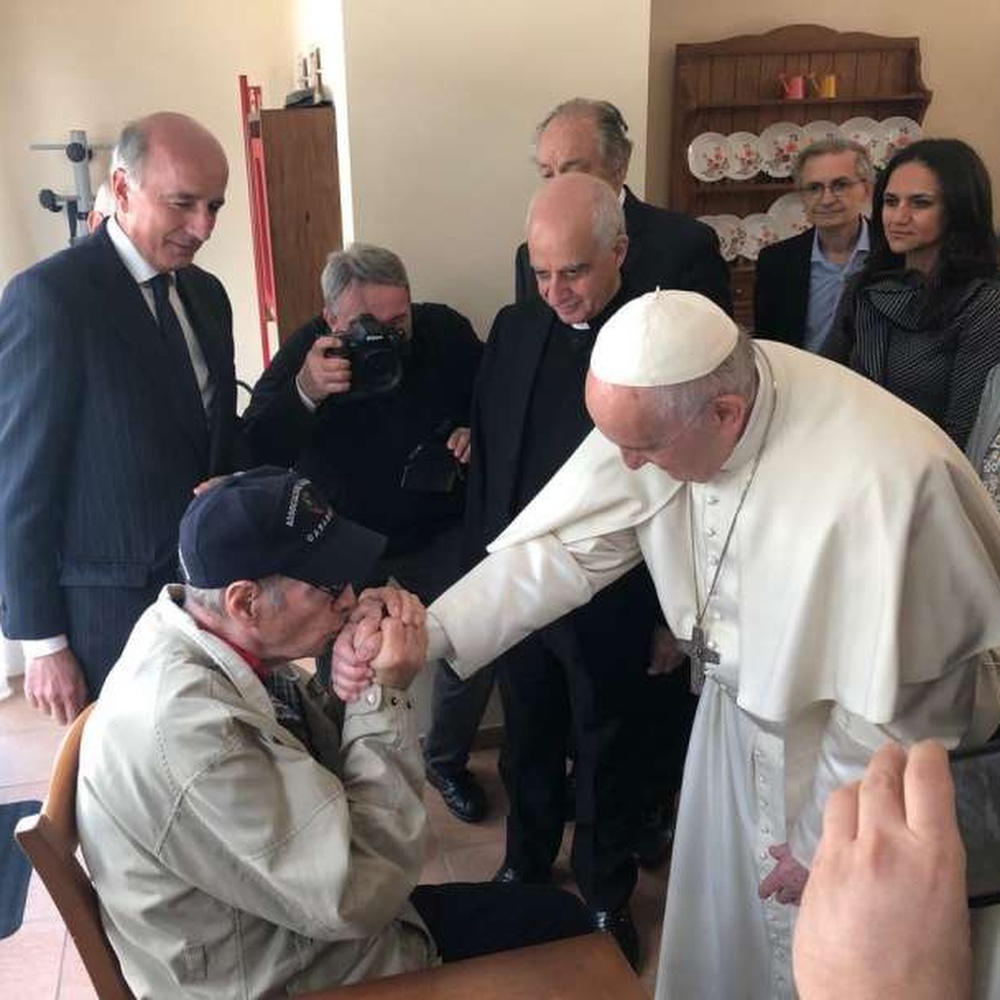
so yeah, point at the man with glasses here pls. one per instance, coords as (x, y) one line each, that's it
(800, 280)
(247, 834)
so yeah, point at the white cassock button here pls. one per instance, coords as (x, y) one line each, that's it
(713, 560)
(371, 697)
(710, 532)
(711, 498)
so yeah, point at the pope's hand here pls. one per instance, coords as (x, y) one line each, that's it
(787, 879)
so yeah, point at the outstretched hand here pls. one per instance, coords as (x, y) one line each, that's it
(384, 642)
(885, 911)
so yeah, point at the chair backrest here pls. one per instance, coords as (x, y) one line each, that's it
(50, 840)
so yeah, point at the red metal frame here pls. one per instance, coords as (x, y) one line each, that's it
(260, 223)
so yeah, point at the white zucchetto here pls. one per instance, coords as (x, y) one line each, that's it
(663, 338)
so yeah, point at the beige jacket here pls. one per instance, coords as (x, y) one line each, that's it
(228, 860)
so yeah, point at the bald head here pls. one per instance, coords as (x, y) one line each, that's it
(576, 245)
(169, 183)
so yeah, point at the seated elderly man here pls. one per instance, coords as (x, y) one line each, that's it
(247, 834)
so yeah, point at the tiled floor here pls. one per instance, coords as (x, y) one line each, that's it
(39, 962)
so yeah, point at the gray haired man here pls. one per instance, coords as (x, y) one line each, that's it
(665, 249)
(393, 460)
(800, 280)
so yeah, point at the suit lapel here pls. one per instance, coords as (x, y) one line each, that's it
(130, 322)
(801, 277)
(634, 229)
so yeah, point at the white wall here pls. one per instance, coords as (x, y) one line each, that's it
(443, 98)
(98, 64)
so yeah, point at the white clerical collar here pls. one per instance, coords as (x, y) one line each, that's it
(580, 326)
(753, 434)
(136, 265)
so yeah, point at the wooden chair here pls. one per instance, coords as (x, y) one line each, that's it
(50, 840)
(584, 968)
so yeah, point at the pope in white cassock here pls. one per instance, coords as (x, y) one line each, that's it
(825, 555)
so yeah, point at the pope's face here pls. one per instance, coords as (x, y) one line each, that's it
(689, 449)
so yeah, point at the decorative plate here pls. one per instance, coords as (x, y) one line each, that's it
(790, 214)
(744, 156)
(820, 131)
(779, 144)
(729, 229)
(760, 230)
(708, 156)
(870, 134)
(899, 132)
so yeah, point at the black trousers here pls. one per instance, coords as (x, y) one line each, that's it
(582, 682)
(470, 919)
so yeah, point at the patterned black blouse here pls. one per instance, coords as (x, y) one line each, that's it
(934, 357)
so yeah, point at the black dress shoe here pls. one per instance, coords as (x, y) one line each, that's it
(461, 794)
(655, 838)
(512, 873)
(618, 923)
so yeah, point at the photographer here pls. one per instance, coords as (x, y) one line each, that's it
(371, 401)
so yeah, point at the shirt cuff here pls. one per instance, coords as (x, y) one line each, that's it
(306, 401)
(33, 648)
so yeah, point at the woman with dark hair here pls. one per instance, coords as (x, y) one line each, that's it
(923, 317)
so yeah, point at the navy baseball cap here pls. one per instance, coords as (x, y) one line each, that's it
(272, 521)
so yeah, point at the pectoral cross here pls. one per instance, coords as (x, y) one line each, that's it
(697, 651)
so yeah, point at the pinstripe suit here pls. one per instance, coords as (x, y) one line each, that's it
(99, 449)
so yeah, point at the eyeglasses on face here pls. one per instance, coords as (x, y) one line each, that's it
(838, 187)
(333, 592)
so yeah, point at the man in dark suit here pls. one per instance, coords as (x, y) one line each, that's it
(800, 280)
(665, 249)
(585, 675)
(118, 399)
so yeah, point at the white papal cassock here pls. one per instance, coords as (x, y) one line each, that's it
(857, 602)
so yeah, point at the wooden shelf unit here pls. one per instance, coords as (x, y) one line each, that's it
(733, 86)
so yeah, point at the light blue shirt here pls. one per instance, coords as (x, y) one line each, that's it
(826, 285)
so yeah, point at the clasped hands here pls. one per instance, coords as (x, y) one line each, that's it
(383, 642)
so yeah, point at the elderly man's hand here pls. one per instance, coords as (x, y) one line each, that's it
(357, 660)
(885, 912)
(321, 376)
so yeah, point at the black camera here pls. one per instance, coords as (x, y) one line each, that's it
(375, 351)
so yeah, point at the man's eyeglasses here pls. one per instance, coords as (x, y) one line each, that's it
(333, 592)
(838, 188)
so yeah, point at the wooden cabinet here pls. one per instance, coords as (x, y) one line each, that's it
(294, 207)
(734, 86)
